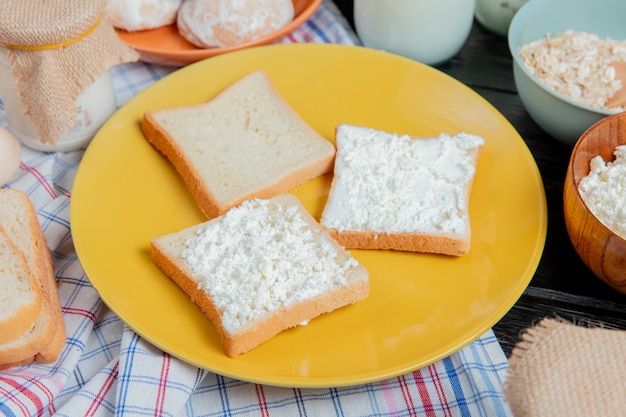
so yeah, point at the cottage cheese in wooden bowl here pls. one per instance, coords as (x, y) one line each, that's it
(594, 200)
(604, 190)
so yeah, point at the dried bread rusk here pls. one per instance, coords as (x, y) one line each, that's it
(402, 193)
(137, 15)
(20, 298)
(245, 142)
(226, 23)
(262, 267)
(45, 339)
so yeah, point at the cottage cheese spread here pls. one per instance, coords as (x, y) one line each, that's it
(260, 257)
(604, 190)
(390, 183)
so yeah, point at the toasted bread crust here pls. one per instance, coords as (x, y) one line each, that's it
(410, 242)
(51, 351)
(26, 361)
(46, 337)
(294, 316)
(24, 316)
(22, 321)
(170, 148)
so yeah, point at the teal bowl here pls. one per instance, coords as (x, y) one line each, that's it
(561, 117)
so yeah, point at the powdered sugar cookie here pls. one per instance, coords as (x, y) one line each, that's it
(223, 23)
(134, 15)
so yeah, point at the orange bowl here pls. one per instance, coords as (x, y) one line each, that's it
(165, 45)
(601, 249)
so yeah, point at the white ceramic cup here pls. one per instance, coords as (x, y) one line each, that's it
(428, 31)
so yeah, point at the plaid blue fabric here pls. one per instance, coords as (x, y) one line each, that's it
(108, 370)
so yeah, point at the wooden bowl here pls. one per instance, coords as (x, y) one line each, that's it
(603, 251)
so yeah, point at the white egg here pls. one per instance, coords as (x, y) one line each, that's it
(10, 155)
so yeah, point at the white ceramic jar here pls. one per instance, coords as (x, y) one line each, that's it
(94, 106)
(428, 31)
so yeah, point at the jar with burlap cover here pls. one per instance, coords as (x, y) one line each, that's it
(55, 49)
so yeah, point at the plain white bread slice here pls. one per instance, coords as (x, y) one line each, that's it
(263, 267)
(398, 192)
(46, 338)
(246, 142)
(20, 299)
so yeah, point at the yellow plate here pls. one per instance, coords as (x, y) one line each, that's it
(421, 307)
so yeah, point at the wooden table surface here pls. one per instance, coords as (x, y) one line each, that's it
(562, 286)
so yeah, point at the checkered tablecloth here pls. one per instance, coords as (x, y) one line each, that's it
(108, 370)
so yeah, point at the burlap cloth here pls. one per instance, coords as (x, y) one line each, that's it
(56, 48)
(562, 369)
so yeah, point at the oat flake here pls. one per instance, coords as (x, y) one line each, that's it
(576, 64)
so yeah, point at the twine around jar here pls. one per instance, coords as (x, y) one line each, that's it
(53, 45)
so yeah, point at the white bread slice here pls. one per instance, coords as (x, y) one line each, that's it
(245, 142)
(45, 339)
(263, 267)
(20, 299)
(403, 193)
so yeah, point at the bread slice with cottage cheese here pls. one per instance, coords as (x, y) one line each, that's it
(404, 193)
(245, 142)
(261, 268)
